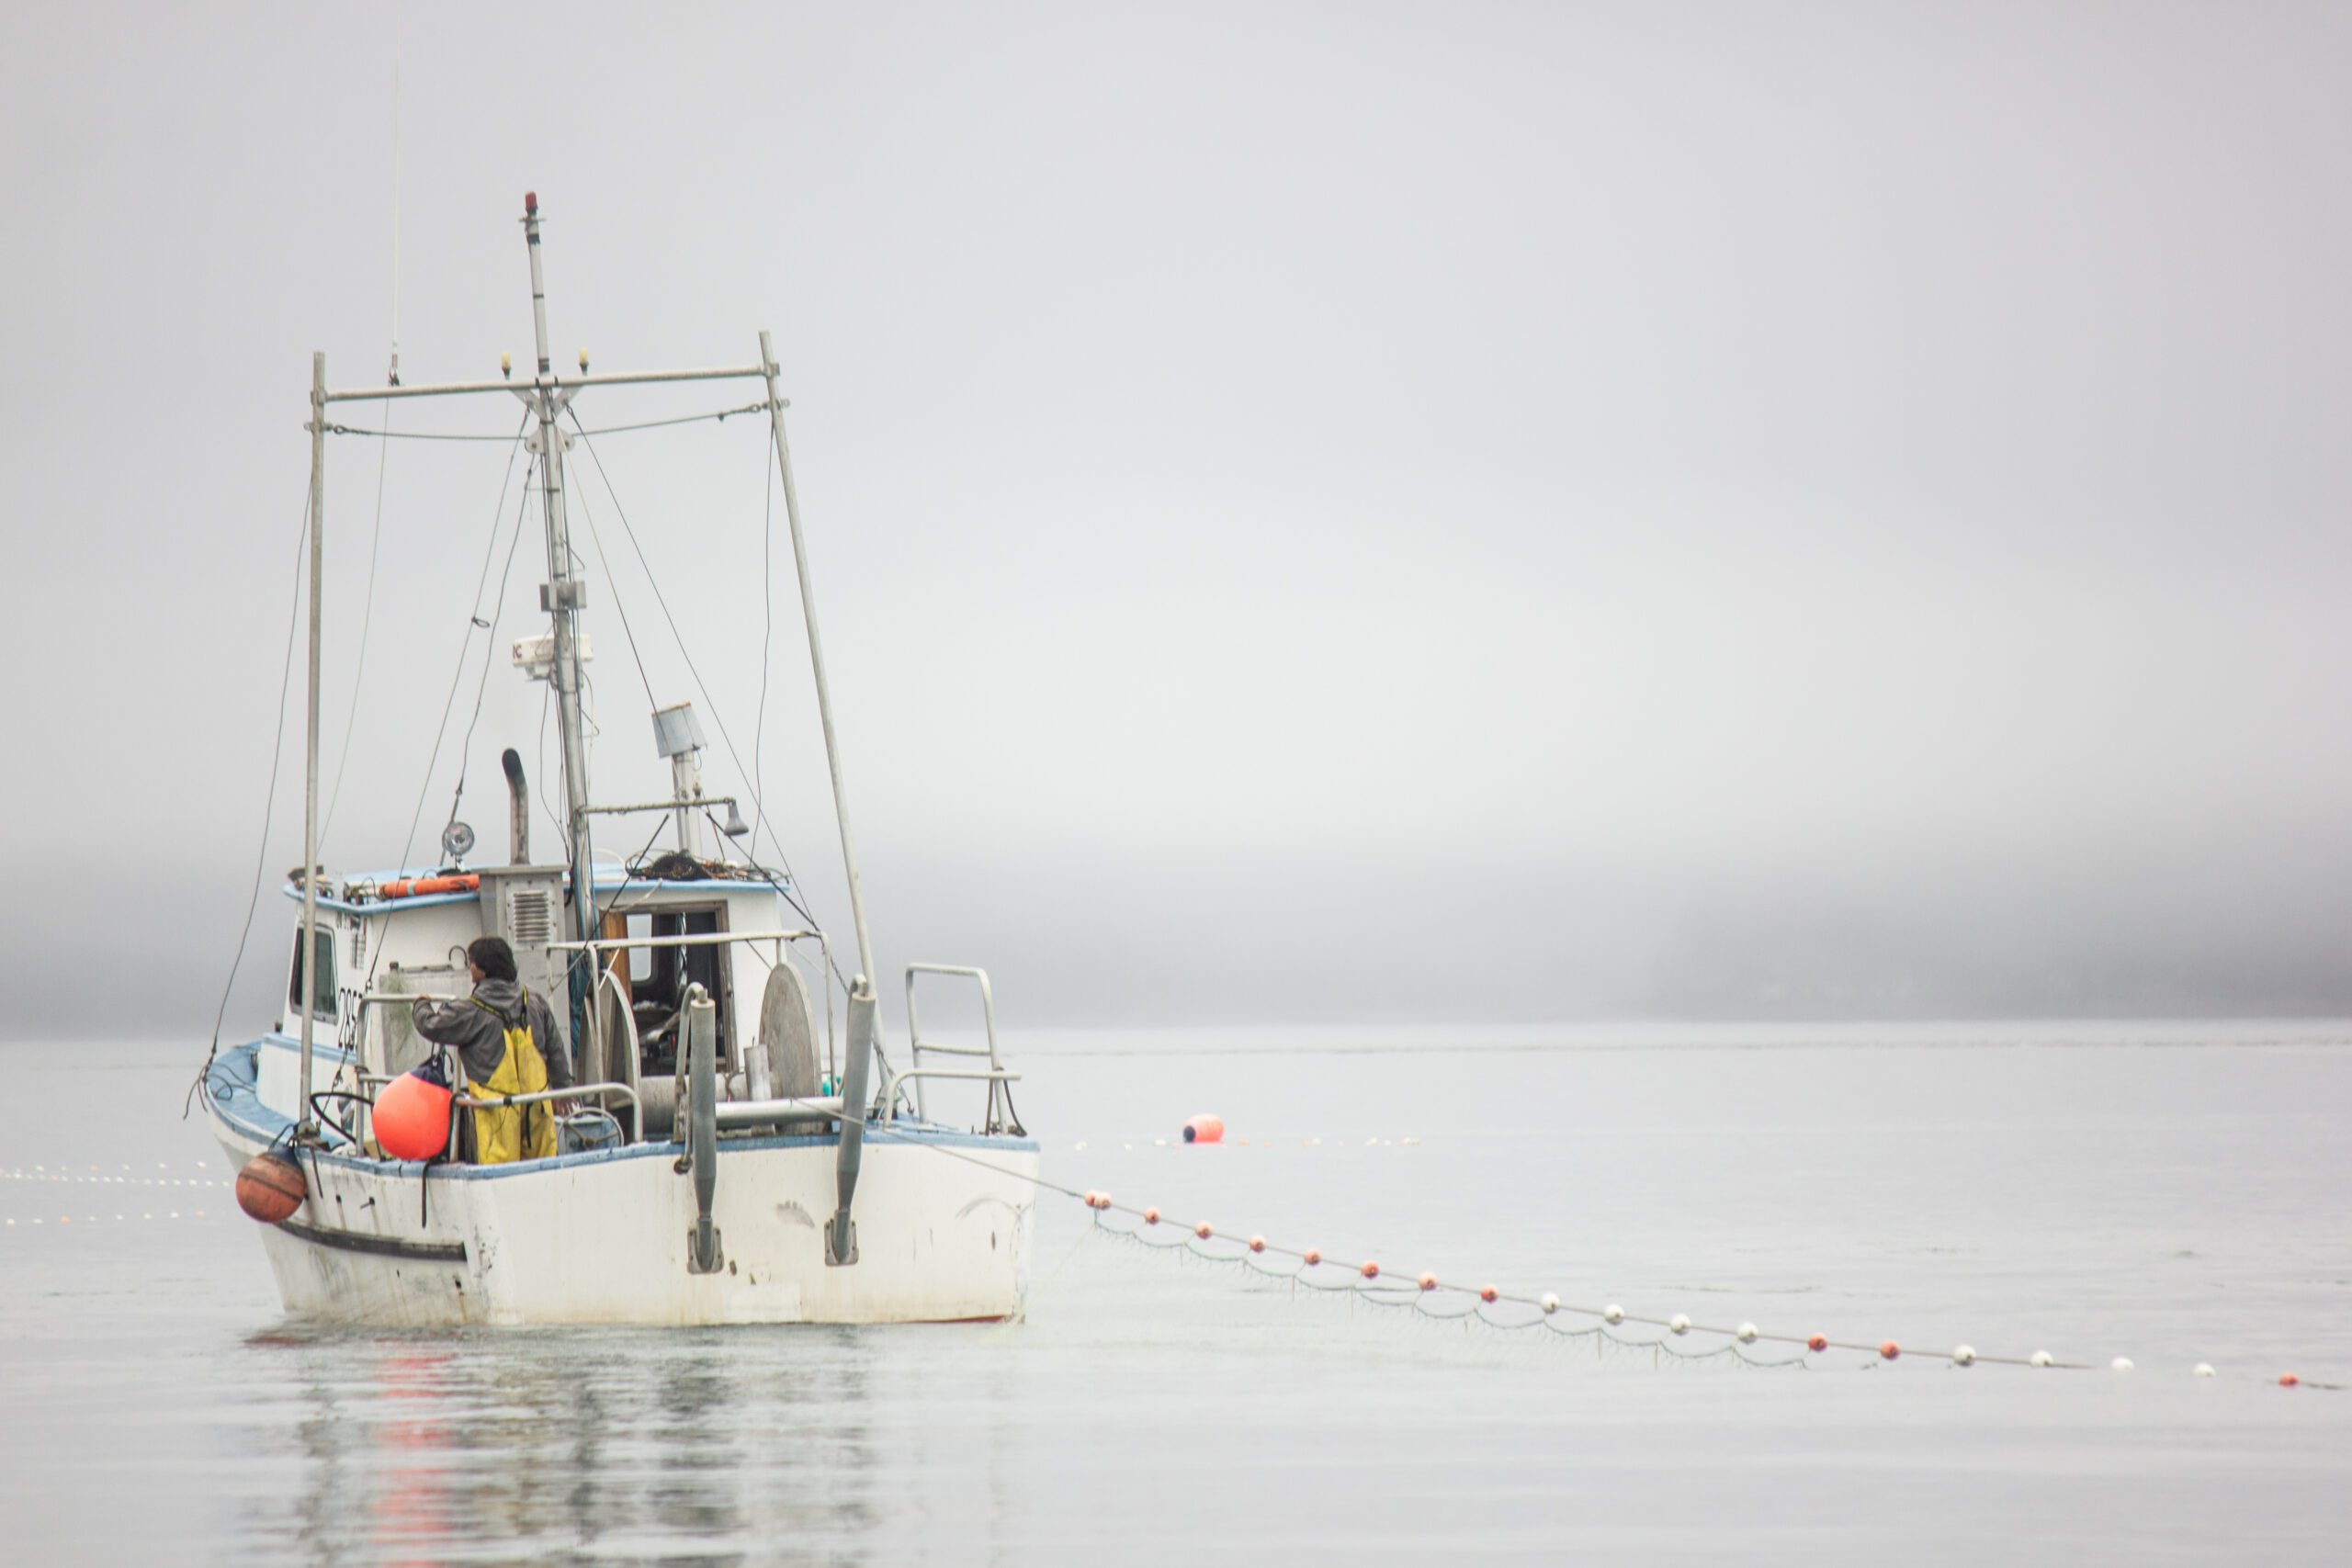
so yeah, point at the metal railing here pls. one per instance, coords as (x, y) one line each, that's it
(459, 1103)
(994, 1075)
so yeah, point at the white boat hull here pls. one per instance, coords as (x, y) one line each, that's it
(944, 1222)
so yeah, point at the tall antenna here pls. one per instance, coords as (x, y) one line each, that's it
(395, 375)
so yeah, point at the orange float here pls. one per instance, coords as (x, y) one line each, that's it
(1204, 1130)
(418, 886)
(270, 1187)
(412, 1118)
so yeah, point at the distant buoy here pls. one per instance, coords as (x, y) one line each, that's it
(1679, 1323)
(1964, 1355)
(2287, 1380)
(1889, 1349)
(1204, 1130)
(1152, 1216)
(410, 1117)
(1257, 1244)
(1102, 1199)
(1548, 1301)
(2120, 1364)
(2043, 1359)
(1746, 1333)
(1818, 1342)
(270, 1187)
(2201, 1369)
(1312, 1257)
(1429, 1281)
(1486, 1293)
(1613, 1312)
(1370, 1269)
(1202, 1231)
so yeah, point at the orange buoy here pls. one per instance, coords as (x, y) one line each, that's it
(2287, 1380)
(1890, 1350)
(1204, 1130)
(418, 886)
(1257, 1244)
(1202, 1231)
(412, 1118)
(1371, 1270)
(1429, 1281)
(1152, 1216)
(1486, 1293)
(1818, 1342)
(1312, 1257)
(270, 1187)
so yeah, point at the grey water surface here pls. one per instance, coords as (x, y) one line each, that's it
(2170, 1193)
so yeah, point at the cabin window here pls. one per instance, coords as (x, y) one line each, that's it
(323, 975)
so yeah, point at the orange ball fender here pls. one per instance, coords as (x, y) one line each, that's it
(270, 1187)
(1204, 1130)
(412, 1118)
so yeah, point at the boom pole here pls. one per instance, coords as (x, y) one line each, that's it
(857, 1056)
(306, 1129)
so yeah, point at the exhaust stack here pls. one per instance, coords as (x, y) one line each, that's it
(518, 808)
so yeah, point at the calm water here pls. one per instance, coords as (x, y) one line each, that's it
(2174, 1194)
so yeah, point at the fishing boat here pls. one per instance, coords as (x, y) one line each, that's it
(738, 1146)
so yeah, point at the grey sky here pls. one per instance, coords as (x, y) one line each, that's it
(1320, 513)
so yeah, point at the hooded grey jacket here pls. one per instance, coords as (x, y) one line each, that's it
(480, 1038)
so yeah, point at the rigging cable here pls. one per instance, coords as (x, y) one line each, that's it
(717, 416)
(490, 552)
(489, 650)
(269, 805)
(727, 740)
(628, 634)
(375, 534)
(366, 613)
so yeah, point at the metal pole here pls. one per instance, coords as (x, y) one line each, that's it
(816, 657)
(307, 1128)
(841, 1235)
(704, 1255)
(561, 598)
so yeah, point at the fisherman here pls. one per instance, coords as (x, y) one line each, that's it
(509, 1042)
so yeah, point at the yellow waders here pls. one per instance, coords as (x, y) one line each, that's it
(514, 1131)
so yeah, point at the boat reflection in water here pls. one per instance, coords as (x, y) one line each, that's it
(735, 1445)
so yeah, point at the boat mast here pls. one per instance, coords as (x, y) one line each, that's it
(306, 1130)
(815, 655)
(563, 594)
